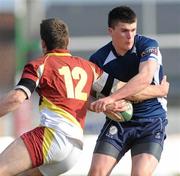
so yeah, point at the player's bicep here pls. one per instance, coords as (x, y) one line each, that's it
(147, 69)
(152, 91)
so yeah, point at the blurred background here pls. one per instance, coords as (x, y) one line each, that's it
(87, 21)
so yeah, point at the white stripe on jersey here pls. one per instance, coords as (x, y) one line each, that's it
(59, 123)
(109, 58)
(40, 71)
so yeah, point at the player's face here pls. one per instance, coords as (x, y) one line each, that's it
(123, 36)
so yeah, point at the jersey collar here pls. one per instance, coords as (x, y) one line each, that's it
(59, 52)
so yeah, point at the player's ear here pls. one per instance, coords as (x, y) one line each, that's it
(110, 31)
(43, 46)
(68, 41)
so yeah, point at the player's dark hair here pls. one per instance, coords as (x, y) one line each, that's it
(121, 14)
(55, 33)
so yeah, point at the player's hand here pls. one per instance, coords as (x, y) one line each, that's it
(164, 86)
(100, 105)
(118, 106)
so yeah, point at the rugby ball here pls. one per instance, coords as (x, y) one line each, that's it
(121, 116)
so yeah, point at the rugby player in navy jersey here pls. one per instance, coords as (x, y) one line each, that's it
(137, 60)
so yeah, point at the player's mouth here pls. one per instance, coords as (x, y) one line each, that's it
(129, 44)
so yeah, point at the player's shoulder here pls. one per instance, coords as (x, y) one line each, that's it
(89, 66)
(101, 53)
(83, 61)
(80, 59)
(36, 61)
(142, 41)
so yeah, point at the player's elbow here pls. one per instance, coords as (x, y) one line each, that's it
(164, 90)
(146, 79)
(146, 82)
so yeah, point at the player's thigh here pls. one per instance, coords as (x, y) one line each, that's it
(104, 158)
(150, 138)
(14, 159)
(101, 165)
(109, 149)
(148, 146)
(63, 165)
(143, 164)
(47, 146)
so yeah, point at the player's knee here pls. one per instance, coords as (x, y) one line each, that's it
(97, 171)
(141, 172)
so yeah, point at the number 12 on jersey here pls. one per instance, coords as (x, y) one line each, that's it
(77, 73)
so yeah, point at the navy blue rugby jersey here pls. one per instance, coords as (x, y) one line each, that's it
(127, 66)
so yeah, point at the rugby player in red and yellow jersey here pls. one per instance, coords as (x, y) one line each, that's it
(63, 83)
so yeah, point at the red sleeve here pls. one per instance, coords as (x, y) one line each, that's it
(30, 76)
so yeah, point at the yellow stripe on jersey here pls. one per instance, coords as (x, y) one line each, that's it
(47, 104)
(48, 138)
(59, 54)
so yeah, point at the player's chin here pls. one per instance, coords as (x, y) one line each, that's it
(129, 46)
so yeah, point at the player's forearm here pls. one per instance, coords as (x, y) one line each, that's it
(11, 101)
(152, 91)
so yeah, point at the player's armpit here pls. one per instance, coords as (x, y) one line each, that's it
(152, 91)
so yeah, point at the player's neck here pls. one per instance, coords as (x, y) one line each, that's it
(119, 51)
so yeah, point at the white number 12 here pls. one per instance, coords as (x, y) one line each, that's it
(77, 73)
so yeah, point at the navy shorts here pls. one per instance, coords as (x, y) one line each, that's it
(145, 135)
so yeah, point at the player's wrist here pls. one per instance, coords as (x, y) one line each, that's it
(114, 97)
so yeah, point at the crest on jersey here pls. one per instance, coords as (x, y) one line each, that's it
(113, 130)
(150, 50)
(158, 135)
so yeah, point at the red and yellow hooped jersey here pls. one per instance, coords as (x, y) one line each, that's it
(63, 83)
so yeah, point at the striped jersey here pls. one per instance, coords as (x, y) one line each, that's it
(125, 67)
